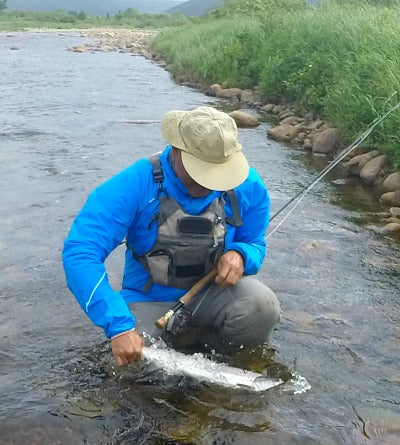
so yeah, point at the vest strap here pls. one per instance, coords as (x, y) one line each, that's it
(157, 172)
(236, 219)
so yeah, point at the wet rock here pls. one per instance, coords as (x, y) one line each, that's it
(357, 163)
(393, 220)
(307, 144)
(213, 89)
(248, 97)
(78, 49)
(285, 114)
(391, 198)
(315, 125)
(326, 142)
(15, 48)
(227, 93)
(374, 169)
(277, 109)
(244, 120)
(302, 135)
(291, 120)
(395, 211)
(268, 108)
(392, 227)
(340, 181)
(355, 152)
(282, 133)
(392, 182)
(382, 215)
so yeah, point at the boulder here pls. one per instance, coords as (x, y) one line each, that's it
(244, 120)
(282, 133)
(326, 142)
(374, 169)
(392, 182)
(391, 198)
(391, 228)
(356, 164)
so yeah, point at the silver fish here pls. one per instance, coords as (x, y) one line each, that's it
(198, 367)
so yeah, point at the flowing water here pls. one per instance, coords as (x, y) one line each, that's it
(66, 125)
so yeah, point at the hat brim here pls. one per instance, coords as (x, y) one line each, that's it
(170, 128)
(219, 177)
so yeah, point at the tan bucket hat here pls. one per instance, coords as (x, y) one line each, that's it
(211, 152)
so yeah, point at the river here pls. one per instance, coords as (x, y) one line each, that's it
(66, 126)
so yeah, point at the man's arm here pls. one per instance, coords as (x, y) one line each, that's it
(101, 226)
(245, 254)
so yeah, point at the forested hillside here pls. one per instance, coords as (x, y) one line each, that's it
(93, 7)
(196, 8)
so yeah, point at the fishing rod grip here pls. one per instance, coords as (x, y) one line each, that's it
(162, 322)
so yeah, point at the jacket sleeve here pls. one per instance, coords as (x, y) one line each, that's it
(249, 239)
(98, 229)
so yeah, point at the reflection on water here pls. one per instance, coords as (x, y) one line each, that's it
(65, 127)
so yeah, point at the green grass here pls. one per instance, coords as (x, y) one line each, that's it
(341, 62)
(21, 20)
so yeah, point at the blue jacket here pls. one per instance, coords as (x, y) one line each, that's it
(121, 208)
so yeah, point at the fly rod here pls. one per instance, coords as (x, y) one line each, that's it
(184, 300)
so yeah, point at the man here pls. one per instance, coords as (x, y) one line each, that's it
(194, 206)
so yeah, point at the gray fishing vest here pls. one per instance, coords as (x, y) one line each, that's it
(187, 246)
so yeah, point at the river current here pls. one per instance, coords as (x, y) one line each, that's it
(67, 124)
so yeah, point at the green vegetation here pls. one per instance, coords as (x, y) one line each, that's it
(131, 18)
(340, 60)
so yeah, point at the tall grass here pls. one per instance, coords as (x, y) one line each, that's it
(341, 62)
(224, 51)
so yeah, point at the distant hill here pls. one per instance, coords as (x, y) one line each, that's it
(196, 8)
(93, 7)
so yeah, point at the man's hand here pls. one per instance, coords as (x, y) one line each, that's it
(230, 268)
(127, 347)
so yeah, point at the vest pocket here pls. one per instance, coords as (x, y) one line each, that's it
(160, 263)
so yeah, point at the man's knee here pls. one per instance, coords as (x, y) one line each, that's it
(253, 314)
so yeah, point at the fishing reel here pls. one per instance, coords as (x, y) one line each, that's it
(179, 323)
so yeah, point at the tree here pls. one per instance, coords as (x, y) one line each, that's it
(3, 5)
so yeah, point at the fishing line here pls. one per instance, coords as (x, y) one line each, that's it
(300, 195)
